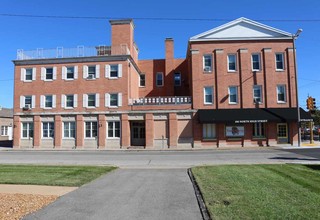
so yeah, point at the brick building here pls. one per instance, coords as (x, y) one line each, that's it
(236, 86)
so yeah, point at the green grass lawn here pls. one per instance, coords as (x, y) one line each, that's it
(51, 175)
(260, 191)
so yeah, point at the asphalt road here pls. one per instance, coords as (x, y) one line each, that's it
(163, 159)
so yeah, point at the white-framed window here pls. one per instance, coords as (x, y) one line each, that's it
(255, 60)
(91, 100)
(113, 100)
(47, 129)
(257, 94)
(208, 131)
(233, 94)
(159, 79)
(177, 79)
(232, 62)
(113, 71)
(69, 72)
(27, 101)
(279, 61)
(142, 80)
(28, 74)
(281, 93)
(91, 129)
(48, 101)
(258, 130)
(113, 129)
(208, 95)
(207, 63)
(27, 130)
(69, 129)
(4, 130)
(48, 73)
(91, 72)
(69, 101)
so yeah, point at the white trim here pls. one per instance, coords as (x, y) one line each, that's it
(204, 95)
(285, 93)
(254, 98)
(237, 98)
(207, 69)
(275, 58)
(107, 130)
(255, 70)
(235, 67)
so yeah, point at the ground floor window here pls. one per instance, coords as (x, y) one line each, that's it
(114, 129)
(27, 130)
(282, 130)
(209, 131)
(69, 129)
(4, 130)
(258, 130)
(47, 129)
(91, 129)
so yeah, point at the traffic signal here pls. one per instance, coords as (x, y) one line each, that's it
(310, 103)
(314, 103)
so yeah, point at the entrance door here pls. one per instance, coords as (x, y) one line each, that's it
(138, 133)
(282, 133)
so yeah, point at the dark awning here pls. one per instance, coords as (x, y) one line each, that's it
(252, 115)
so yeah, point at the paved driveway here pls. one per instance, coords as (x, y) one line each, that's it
(129, 194)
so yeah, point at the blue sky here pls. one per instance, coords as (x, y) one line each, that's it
(30, 33)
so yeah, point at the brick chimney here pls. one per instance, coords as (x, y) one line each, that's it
(169, 64)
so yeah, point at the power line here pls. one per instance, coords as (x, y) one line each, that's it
(151, 18)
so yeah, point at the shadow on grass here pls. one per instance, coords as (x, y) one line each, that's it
(293, 158)
(313, 167)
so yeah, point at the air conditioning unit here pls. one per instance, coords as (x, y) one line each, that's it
(256, 100)
(27, 107)
(90, 76)
(207, 69)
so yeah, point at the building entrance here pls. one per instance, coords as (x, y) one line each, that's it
(138, 133)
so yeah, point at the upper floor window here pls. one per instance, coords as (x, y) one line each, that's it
(177, 79)
(279, 61)
(257, 94)
(27, 101)
(233, 94)
(159, 79)
(232, 62)
(69, 101)
(69, 72)
(48, 101)
(207, 63)
(49, 73)
(28, 74)
(208, 95)
(142, 82)
(27, 130)
(113, 99)
(113, 71)
(281, 93)
(255, 58)
(91, 72)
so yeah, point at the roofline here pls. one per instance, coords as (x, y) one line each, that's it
(241, 39)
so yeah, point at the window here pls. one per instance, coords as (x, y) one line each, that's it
(48, 101)
(91, 129)
(142, 80)
(47, 129)
(257, 94)
(177, 79)
(258, 130)
(233, 94)
(28, 74)
(209, 131)
(70, 72)
(159, 79)
(232, 62)
(91, 72)
(49, 73)
(255, 62)
(279, 61)
(114, 129)
(4, 130)
(27, 130)
(207, 63)
(113, 99)
(69, 101)
(91, 100)
(281, 93)
(113, 71)
(208, 97)
(28, 101)
(282, 130)
(69, 129)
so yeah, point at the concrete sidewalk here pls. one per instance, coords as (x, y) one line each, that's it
(129, 194)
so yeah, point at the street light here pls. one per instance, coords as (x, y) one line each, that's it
(294, 37)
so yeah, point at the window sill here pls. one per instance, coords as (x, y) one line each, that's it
(113, 106)
(232, 71)
(233, 103)
(256, 71)
(280, 70)
(208, 104)
(69, 79)
(91, 107)
(113, 138)
(281, 102)
(27, 81)
(91, 79)
(68, 107)
(113, 77)
(47, 138)
(66, 138)
(47, 108)
(207, 72)
(48, 80)
(90, 139)
(142, 86)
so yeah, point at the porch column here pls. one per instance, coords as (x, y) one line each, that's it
(125, 131)
(57, 131)
(102, 131)
(173, 130)
(80, 131)
(36, 131)
(16, 132)
(149, 130)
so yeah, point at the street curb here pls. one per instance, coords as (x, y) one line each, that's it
(203, 209)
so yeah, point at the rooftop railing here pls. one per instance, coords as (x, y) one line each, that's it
(80, 51)
(168, 100)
